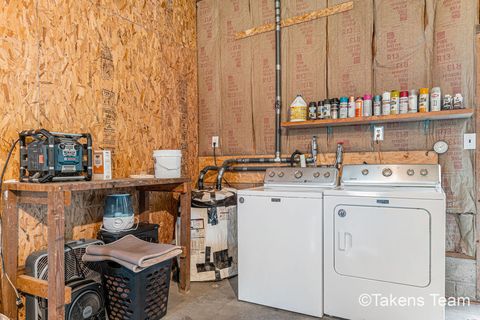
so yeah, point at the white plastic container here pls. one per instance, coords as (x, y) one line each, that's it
(298, 109)
(168, 163)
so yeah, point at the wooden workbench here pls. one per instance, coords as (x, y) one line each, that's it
(57, 196)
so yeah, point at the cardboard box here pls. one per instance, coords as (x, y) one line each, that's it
(102, 165)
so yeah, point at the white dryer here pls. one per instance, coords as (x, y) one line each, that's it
(385, 243)
(280, 239)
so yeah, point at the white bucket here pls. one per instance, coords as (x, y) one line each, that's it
(168, 163)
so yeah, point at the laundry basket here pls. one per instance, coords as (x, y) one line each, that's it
(136, 296)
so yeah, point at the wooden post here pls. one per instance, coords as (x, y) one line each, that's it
(143, 205)
(477, 162)
(185, 199)
(56, 254)
(10, 252)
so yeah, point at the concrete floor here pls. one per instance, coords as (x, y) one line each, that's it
(218, 300)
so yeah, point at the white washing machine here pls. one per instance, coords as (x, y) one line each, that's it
(385, 243)
(280, 239)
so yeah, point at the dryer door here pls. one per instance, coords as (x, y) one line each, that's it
(384, 244)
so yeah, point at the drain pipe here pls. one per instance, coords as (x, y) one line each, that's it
(203, 173)
(227, 163)
(278, 81)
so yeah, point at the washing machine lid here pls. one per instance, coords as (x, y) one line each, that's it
(424, 193)
(296, 192)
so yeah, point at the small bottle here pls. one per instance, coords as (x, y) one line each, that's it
(386, 103)
(335, 105)
(436, 99)
(359, 107)
(343, 108)
(458, 101)
(413, 101)
(377, 105)
(403, 102)
(351, 107)
(367, 105)
(447, 102)
(320, 110)
(394, 101)
(424, 100)
(312, 111)
(327, 107)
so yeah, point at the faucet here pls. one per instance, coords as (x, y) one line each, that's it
(339, 155)
(314, 147)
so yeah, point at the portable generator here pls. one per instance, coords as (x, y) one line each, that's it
(52, 156)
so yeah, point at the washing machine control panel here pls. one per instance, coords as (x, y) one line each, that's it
(293, 176)
(394, 175)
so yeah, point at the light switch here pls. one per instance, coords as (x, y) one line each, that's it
(469, 141)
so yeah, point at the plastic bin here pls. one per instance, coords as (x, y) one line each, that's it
(136, 296)
(168, 163)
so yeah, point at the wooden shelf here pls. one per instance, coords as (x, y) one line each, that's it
(408, 117)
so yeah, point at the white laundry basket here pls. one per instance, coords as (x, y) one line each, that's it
(168, 163)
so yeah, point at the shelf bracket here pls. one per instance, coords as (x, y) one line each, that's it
(426, 126)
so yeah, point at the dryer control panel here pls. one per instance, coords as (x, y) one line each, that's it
(302, 177)
(392, 175)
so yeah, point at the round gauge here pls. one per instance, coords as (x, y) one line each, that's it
(440, 147)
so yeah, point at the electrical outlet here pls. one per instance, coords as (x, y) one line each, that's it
(469, 141)
(378, 134)
(215, 141)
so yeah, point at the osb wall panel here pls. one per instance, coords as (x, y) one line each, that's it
(124, 71)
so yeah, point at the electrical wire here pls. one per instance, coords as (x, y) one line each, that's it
(4, 273)
(215, 162)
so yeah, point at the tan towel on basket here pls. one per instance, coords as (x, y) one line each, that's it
(132, 253)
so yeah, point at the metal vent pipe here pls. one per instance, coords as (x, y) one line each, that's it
(278, 80)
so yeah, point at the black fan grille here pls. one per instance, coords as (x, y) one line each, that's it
(89, 270)
(89, 303)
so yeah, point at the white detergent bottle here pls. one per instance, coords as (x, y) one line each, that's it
(298, 110)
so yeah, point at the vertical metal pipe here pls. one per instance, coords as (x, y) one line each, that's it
(278, 81)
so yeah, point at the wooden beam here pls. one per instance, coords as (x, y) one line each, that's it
(56, 254)
(38, 287)
(477, 159)
(38, 198)
(342, 7)
(144, 205)
(10, 252)
(458, 255)
(397, 118)
(185, 203)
